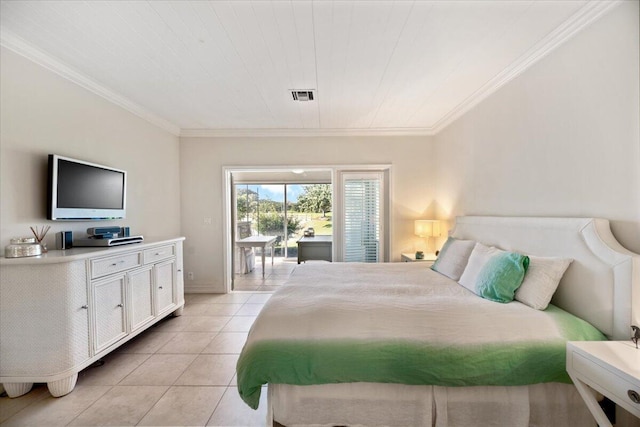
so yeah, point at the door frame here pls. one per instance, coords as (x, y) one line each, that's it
(228, 196)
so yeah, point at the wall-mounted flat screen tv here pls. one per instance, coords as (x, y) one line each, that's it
(80, 190)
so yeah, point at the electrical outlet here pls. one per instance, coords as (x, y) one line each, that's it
(190, 275)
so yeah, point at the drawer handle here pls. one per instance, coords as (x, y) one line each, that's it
(159, 287)
(634, 396)
(120, 305)
(116, 263)
(159, 253)
(85, 307)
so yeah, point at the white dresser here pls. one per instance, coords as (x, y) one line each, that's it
(62, 311)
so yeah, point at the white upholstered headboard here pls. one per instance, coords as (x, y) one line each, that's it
(602, 284)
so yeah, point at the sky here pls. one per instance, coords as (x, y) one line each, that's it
(276, 192)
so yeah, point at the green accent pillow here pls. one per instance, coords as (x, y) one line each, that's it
(494, 274)
(501, 276)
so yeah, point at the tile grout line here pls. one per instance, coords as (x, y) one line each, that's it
(153, 406)
(87, 408)
(216, 408)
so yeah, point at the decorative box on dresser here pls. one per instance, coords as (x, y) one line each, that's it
(62, 311)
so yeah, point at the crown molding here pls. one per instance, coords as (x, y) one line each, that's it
(21, 47)
(589, 13)
(265, 133)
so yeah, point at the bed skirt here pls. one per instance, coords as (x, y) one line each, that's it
(375, 404)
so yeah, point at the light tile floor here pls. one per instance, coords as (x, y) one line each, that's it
(179, 372)
(274, 275)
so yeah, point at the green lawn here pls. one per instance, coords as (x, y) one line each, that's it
(321, 226)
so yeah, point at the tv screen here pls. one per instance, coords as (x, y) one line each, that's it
(85, 191)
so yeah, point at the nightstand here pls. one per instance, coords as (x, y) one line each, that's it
(428, 258)
(611, 368)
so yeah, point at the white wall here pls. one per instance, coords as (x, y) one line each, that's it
(561, 139)
(202, 160)
(42, 113)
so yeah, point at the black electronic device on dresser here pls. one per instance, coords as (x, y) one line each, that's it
(64, 240)
(108, 236)
(104, 232)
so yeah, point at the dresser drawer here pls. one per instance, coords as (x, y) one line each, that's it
(605, 381)
(105, 266)
(159, 253)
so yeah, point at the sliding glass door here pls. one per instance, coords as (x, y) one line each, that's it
(283, 210)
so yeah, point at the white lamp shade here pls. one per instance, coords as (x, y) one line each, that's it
(427, 228)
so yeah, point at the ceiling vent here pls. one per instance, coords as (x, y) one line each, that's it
(302, 95)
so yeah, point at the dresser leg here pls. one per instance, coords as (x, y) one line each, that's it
(17, 389)
(63, 386)
(178, 312)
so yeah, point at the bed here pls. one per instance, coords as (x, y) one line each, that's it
(427, 351)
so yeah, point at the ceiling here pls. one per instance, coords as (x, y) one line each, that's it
(226, 68)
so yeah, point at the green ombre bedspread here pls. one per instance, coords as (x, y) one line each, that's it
(400, 323)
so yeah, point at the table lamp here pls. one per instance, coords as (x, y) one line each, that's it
(427, 228)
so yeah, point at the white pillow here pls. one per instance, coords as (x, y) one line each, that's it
(453, 257)
(541, 281)
(477, 259)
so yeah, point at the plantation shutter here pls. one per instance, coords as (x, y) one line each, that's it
(362, 217)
